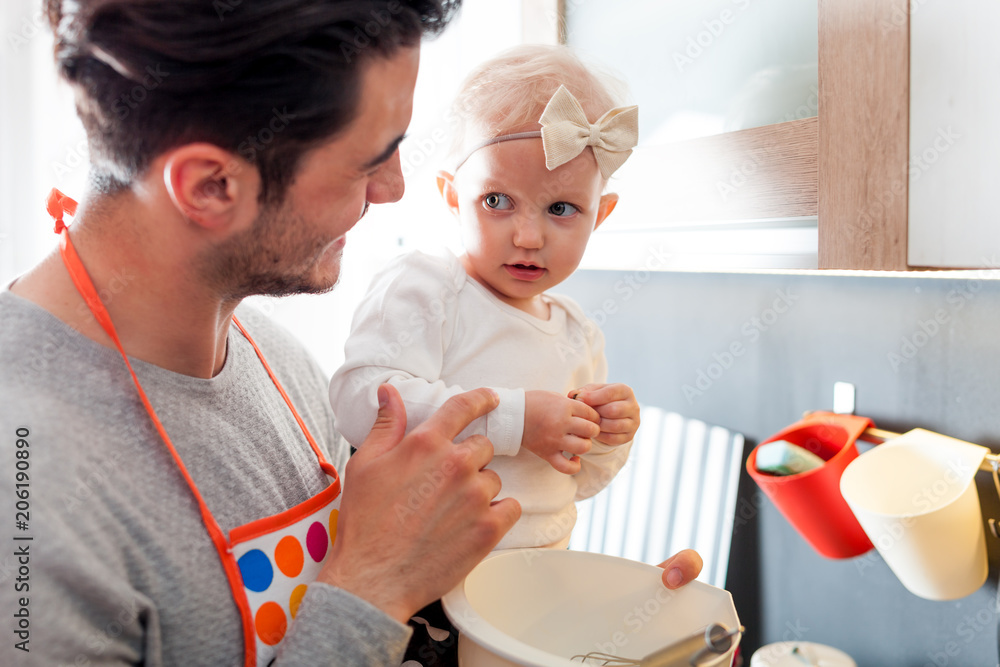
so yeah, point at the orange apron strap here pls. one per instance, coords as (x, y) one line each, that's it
(326, 466)
(86, 288)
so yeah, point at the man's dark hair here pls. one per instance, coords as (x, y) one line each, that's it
(266, 79)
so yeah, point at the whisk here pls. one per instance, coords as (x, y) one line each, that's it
(697, 649)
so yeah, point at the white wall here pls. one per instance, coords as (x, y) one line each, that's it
(41, 141)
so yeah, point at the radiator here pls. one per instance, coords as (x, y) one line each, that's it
(677, 491)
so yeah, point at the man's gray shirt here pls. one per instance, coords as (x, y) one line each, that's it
(120, 568)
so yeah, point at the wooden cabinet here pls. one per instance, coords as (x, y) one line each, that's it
(863, 133)
(863, 166)
(725, 174)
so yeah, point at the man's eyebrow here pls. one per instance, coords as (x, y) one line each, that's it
(384, 155)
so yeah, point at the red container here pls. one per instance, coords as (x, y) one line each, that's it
(811, 500)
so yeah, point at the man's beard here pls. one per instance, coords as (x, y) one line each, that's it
(268, 259)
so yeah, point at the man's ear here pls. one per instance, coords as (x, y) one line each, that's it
(604, 208)
(210, 186)
(446, 186)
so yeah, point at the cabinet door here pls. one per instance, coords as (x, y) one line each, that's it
(725, 174)
(954, 134)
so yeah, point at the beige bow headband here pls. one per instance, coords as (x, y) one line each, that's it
(566, 132)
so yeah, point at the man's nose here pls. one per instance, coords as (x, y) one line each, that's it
(387, 183)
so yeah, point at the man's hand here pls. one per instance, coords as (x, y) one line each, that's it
(417, 512)
(618, 410)
(554, 424)
(681, 568)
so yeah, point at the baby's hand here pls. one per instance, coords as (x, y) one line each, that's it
(554, 424)
(616, 405)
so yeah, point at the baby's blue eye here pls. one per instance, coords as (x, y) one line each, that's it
(562, 209)
(498, 201)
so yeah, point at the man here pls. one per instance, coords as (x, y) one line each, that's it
(233, 144)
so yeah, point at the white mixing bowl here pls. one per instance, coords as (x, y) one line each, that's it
(540, 607)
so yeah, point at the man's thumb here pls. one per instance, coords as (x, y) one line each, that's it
(390, 423)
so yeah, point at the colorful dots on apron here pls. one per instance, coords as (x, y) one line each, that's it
(288, 556)
(278, 560)
(334, 514)
(296, 599)
(316, 541)
(255, 567)
(270, 623)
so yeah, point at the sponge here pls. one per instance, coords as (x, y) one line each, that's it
(781, 457)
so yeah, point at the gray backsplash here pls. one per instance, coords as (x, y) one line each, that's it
(752, 352)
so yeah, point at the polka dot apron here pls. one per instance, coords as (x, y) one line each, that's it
(268, 562)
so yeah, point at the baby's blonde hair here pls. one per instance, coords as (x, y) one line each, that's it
(509, 92)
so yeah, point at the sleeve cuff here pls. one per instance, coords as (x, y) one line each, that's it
(601, 448)
(505, 424)
(333, 627)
